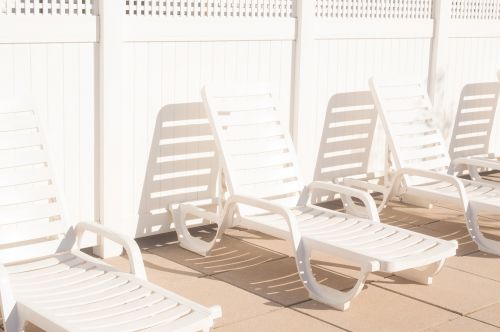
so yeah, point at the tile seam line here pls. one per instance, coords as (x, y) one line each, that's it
(249, 267)
(419, 300)
(317, 318)
(471, 273)
(482, 321)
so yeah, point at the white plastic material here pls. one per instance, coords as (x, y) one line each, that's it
(425, 174)
(266, 194)
(44, 277)
(474, 125)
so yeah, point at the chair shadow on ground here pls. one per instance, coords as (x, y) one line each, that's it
(182, 167)
(474, 120)
(257, 268)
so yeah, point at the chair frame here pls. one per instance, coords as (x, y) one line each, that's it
(301, 246)
(401, 186)
(68, 239)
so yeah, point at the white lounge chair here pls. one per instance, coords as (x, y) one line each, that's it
(44, 277)
(424, 170)
(474, 123)
(266, 194)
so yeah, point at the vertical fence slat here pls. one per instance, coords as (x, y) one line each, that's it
(439, 56)
(36, 7)
(303, 89)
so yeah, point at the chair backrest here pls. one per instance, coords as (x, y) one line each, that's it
(474, 120)
(414, 137)
(257, 152)
(32, 218)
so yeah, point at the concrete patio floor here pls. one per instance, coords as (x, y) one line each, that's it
(253, 277)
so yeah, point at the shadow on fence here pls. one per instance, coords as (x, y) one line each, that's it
(182, 166)
(347, 139)
(474, 120)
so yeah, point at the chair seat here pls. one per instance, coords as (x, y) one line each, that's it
(358, 239)
(69, 292)
(486, 196)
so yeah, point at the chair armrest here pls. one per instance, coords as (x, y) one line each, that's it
(398, 178)
(197, 212)
(363, 196)
(473, 164)
(477, 163)
(129, 244)
(268, 206)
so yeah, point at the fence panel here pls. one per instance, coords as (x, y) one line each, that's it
(172, 155)
(170, 49)
(61, 78)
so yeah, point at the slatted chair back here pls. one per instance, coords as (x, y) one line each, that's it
(257, 152)
(474, 120)
(412, 131)
(32, 218)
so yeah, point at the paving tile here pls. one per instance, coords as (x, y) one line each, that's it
(452, 289)
(32, 328)
(282, 320)
(454, 228)
(451, 231)
(403, 216)
(323, 260)
(28, 328)
(342, 266)
(260, 239)
(492, 176)
(230, 254)
(376, 309)
(159, 240)
(237, 304)
(205, 232)
(478, 263)
(435, 213)
(279, 281)
(489, 224)
(490, 315)
(463, 324)
(157, 267)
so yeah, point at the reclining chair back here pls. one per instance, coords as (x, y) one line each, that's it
(32, 218)
(412, 131)
(257, 152)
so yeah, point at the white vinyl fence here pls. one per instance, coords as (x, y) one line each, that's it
(118, 82)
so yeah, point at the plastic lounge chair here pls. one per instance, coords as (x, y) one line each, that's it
(474, 123)
(424, 170)
(44, 277)
(266, 194)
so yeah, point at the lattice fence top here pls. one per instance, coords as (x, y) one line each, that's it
(48, 7)
(211, 8)
(374, 9)
(475, 9)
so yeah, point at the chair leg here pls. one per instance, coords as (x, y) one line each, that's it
(339, 300)
(424, 275)
(486, 245)
(189, 242)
